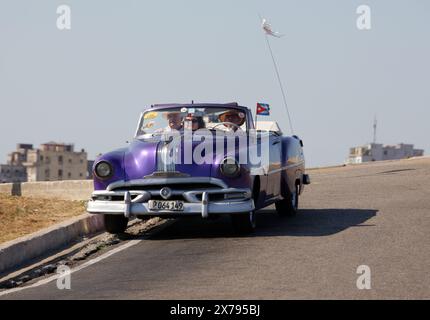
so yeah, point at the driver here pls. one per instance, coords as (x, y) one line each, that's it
(232, 119)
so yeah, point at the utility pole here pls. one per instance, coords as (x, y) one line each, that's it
(375, 124)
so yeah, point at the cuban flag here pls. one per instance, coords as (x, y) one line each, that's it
(263, 109)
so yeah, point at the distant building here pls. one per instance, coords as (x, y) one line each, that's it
(52, 161)
(378, 152)
(56, 161)
(10, 173)
(19, 156)
(14, 170)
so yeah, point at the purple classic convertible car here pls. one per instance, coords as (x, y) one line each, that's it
(199, 159)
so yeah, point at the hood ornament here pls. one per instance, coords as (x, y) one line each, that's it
(165, 192)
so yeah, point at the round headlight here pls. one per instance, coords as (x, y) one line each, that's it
(103, 169)
(229, 167)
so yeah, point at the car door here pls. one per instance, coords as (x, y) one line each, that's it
(274, 177)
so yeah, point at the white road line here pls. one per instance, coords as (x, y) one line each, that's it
(82, 266)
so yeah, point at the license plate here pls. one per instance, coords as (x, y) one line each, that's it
(173, 205)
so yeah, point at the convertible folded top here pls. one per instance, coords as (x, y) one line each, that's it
(269, 126)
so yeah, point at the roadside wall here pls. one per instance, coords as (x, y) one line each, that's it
(65, 190)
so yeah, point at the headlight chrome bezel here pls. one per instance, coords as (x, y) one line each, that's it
(229, 173)
(97, 173)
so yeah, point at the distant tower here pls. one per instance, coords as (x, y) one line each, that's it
(375, 124)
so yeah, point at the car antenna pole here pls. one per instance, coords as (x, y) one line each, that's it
(268, 31)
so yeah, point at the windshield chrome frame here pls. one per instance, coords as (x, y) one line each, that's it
(151, 135)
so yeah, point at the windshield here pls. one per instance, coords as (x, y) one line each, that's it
(164, 120)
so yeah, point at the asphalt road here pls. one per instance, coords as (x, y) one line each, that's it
(375, 214)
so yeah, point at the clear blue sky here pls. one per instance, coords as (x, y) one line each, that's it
(88, 85)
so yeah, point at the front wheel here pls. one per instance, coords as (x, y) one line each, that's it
(244, 222)
(115, 224)
(289, 206)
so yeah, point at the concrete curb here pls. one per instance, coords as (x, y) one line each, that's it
(22, 250)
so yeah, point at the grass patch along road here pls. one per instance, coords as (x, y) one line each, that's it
(20, 216)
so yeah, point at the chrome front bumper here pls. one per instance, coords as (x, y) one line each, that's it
(135, 203)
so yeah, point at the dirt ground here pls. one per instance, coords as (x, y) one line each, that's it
(20, 216)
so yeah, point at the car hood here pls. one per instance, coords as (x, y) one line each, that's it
(139, 160)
